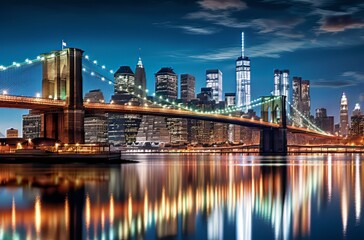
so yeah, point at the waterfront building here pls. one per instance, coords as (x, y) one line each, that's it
(95, 124)
(123, 128)
(31, 125)
(230, 101)
(166, 86)
(12, 133)
(324, 122)
(301, 100)
(188, 85)
(357, 122)
(344, 116)
(243, 95)
(214, 81)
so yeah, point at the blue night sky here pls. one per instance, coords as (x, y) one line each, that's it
(319, 40)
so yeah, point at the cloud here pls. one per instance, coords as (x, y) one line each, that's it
(221, 19)
(215, 5)
(361, 97)
(340, 23)
(352, 79)
(272, 25)
(197, 30)
(189, 29)
(356, 76)
(333, 83)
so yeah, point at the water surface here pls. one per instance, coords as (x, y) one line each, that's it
(186, 197)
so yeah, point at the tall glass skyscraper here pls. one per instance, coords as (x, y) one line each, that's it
(214, 81)
(344, 116)
(243, 96)
(281, 83)
(301, 100)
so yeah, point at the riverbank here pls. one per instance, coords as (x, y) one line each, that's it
(64, 158)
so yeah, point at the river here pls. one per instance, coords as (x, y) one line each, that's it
(186, 197)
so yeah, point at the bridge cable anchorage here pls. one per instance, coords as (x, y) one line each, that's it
(307, 120)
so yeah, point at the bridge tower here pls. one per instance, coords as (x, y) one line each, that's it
(273, 141)
(62, 80)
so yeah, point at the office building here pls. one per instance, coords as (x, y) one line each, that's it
(357, 123)
(140, 80)
(324, 122)
(166, 86)
(166, 83)
(243, 95)
(31, 125)
(188, 84)
(281, 83)
(123, 128)
(301, 101)
(214, 81)
(344, 116)
(95, 124)
(12, 133)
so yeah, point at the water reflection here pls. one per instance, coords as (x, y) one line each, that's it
(215, 197)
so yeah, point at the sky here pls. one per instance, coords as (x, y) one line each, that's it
(319, 40)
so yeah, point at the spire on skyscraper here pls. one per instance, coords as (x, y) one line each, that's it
(242, 45)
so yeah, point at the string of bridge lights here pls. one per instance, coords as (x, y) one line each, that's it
(307, 120)
(20, 64)
(227, 110)
(169, 103)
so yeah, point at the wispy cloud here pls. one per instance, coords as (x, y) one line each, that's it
(189, 29)
(333, 83)
(340, 23)
(197, 30)
(266, 25)
(221, 19)
(348, 79)
(355, 75)
(215, 5)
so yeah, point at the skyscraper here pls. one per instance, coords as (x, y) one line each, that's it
(243, 96)
(324, 122)
(357, 123)
(96, 124)
(344, 116)
(300, 100)
(281, 83)
(166, 86)
(140, 79)
(214, 81)
(123, 128)
(187, 87)
(166, 83)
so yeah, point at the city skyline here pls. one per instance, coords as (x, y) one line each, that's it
(331, 63)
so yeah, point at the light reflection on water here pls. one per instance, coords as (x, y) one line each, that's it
(188, 196)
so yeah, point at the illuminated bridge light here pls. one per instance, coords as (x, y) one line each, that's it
(87, 57)
(95, 62)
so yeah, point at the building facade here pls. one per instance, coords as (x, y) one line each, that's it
(31, 125)
(95, 124)
(344, 116)
(188, 86)
(214, 81)
(301, 100)
(357, 123)
(123, 128)
(281, 83)
(243, 95)
(324, 122)
(12, 133)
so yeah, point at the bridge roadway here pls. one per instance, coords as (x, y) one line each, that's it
(43, 104)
